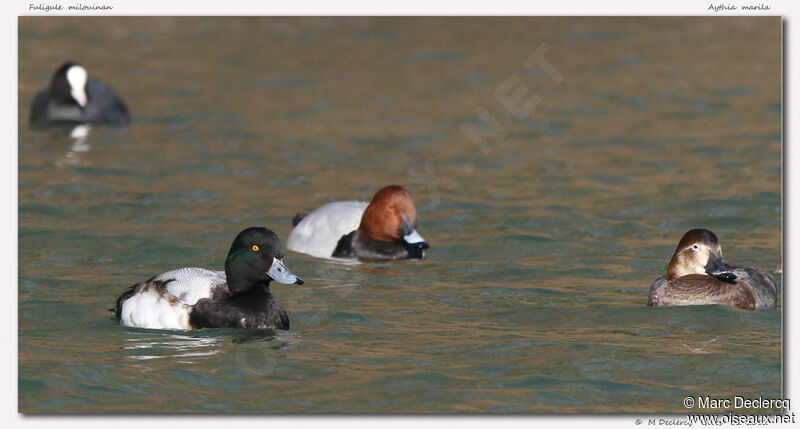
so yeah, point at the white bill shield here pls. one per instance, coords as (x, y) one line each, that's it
(77, 77)
(281, 274)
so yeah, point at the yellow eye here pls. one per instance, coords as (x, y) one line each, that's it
(255, 248)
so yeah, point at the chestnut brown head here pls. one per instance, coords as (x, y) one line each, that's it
(391, 216)
(699, 252)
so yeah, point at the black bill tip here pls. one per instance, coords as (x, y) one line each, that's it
(725, 276)
(719, 269)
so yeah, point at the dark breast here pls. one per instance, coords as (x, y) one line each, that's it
(256, 309)
(353, 245)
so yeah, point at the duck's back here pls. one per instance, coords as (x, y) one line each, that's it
(753, 290)
(104, 105)
(319, 232)
(761, 285)
(192, 284)
(39, 106)
(692, 289)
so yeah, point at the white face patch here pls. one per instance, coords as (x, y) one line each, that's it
(76, 77)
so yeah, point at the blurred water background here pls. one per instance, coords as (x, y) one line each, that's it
(545, 239)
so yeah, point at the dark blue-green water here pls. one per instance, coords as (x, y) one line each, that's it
(544, 240)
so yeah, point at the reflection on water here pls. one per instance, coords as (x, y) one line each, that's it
(533, 295)
(80, 133)
(174, 345)
(80, 143)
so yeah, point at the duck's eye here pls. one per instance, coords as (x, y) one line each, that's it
(695, 247)
(255, 248)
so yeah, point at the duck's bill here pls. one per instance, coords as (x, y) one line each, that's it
(80, 97)
(281, 274)
(415, 238)
(716, 268)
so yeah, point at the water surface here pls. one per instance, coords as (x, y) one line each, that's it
(544, 243)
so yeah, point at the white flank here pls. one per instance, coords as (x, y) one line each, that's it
(150, 308)
(154, 309)
(318, 234)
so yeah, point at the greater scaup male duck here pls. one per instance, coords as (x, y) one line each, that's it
(74, 96)
(696, 275)
(384, 229)
(196, 298)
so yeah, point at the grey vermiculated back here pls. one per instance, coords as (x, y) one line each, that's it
(192, 284)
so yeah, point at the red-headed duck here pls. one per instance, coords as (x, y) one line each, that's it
(195, 298)
(384, 229)
(696, 275)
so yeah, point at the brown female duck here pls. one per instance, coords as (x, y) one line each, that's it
(696, 275)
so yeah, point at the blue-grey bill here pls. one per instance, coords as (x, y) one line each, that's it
(281, 274)
(414, 237)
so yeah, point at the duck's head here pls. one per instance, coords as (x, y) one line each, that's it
(69, 83)
(699, 252)
(255, 259)
(391, 216)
